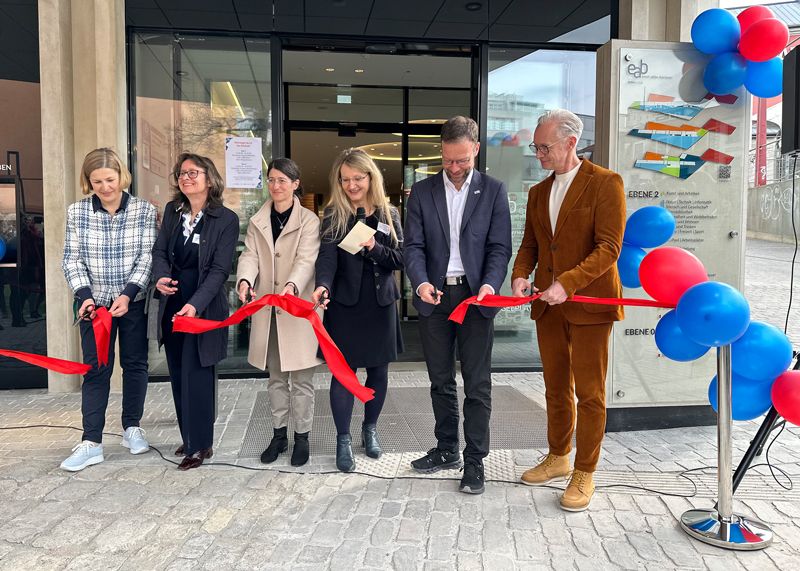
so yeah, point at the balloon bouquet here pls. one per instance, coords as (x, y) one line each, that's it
(746, 50)
(708, 314)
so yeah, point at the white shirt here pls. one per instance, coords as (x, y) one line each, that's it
(558, 191)
(189, 224)
(456, 201)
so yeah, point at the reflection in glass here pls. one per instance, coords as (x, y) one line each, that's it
(522, 85)
(192, 93)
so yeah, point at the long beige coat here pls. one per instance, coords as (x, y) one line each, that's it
(269, 266)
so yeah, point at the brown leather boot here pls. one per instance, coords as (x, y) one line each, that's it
(551, 468)
(579, 492)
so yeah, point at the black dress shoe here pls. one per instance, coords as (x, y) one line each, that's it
(300, 449)
(344, 453)
(278, 444)
(436, 460)
(369, 439)
(472, 481)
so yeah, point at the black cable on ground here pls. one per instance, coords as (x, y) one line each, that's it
(683, 474)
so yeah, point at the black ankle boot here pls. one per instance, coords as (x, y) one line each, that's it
(300, 449)
(278, 444)
(344, 453)
(369, 438)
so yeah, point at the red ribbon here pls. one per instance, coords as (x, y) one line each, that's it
(51, 363)
(101, 325)
(298, 308)
(460, 311)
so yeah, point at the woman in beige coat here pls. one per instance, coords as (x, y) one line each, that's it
(281, 248)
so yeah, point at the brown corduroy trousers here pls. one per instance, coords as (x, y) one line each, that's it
(575, 360)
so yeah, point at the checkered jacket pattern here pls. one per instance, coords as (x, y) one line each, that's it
(106, 253)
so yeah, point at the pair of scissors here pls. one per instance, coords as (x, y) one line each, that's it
(84, 315)
(323, 297)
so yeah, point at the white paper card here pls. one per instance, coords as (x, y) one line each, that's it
(358, 235)
(384, 228)
(196, 239)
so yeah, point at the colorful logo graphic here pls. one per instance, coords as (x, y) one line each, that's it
(683, 136)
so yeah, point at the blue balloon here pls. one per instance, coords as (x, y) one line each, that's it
(725, 73)
(762, 353)
(716, 31)
(713, 313)
(649, 227)
(764, 78)
(630, 258)
(749, 399)
(2, 249)
(673, 342)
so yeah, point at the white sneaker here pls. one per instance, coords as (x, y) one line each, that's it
(84, 454)
(134, 440)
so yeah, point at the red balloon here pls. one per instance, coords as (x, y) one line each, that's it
(665, 273)
(764, 40)
(752, 15)
(786, 396)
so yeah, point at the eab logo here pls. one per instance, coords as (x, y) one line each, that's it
(637, 71)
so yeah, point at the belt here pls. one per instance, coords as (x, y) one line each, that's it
(455, 280)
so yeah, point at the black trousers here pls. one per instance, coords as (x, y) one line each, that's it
(193, 390)
(474, 338)
(342, 400)
(132, 328)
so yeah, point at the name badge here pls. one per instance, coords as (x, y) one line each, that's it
(384, 228)
(196, 239)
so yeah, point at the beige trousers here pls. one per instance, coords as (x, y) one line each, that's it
(288, 391)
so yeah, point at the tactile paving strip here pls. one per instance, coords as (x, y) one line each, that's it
(406, 422)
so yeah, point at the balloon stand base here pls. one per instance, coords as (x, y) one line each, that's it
(739, 532)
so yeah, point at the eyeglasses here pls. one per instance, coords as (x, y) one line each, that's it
(459, 162)
(544, 149)
(192, 174)
(280, 181)
(355, 179)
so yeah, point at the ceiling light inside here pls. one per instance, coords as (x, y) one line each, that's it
(473, 6)
(358, 70)
(330, 69)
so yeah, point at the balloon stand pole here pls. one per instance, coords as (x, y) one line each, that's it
(721, 527)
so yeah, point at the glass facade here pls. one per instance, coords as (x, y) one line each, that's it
(522, 85)
(191, 93)
(192, 90)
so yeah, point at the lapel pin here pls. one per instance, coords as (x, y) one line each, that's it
(477, 191)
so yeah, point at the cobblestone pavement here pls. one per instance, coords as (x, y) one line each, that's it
(138, 512)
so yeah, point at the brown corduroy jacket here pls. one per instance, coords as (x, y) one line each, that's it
(582, 254)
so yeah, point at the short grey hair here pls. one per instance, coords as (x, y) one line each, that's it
(569, 124)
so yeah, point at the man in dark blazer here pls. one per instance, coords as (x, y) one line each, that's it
(458, 244)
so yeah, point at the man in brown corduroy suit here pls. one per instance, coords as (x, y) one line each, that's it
(573, 235)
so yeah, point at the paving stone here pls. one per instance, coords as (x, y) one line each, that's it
(646, 546)
(681, 556)
(523, 517)
(622, 554)
(327, 533)
(347, 555)
(496, 538)
(382, 532)
(405, 558)
(530, 546)
(417, 509)
(391, 509)
(378, 557)
(411, 530)
(96, 562)
(497, 562)
(587, 542)
(196, 546)
(441, 548)
(71, 535)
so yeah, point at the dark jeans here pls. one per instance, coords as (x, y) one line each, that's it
(474, 337)
(342, 399)
(193, 389)
(132, 328)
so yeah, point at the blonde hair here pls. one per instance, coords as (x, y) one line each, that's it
(339, 210)
(103, 158)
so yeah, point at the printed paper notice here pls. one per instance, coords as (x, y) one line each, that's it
(243, 163)
(358, 235)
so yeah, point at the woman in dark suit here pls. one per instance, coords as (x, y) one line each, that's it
(359, 292)
(192, 259)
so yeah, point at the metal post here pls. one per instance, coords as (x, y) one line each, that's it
(722, 527)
